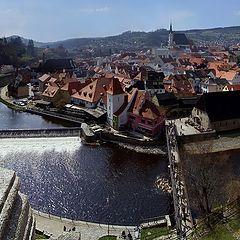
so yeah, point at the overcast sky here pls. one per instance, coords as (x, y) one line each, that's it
(51, 20)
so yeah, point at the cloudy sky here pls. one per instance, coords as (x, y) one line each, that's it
(51, 20)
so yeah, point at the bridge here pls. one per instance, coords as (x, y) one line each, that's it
(182, 211)
(36, 133)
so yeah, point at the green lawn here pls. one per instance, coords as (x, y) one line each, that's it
(151, 233)
(110, 237)
(222, 232)
(40, 236)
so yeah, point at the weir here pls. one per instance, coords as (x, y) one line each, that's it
(36, 133)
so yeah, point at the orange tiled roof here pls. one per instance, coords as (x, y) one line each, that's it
(143, 107)
(50, 91)
(115, 87)
(229, 75)
(93, 91)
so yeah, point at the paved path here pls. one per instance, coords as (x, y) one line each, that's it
(181, 205)
(54, 226)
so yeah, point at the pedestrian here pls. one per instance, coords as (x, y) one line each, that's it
(123, 235)
(64, 228)
(130, 236)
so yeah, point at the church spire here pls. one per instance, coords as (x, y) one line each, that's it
(171, 31)
(170, 36)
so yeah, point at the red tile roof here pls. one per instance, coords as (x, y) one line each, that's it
(115, 87)
(233, 87)
(93, 91)
(143, 107)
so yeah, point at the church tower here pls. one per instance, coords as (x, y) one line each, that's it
(170, 37)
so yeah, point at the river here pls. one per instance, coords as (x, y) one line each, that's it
(65, 178)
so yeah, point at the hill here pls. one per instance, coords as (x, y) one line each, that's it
(137, 40)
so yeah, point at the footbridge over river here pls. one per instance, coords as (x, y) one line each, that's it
(37, 133)
(183, 217)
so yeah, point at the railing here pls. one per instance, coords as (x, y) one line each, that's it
(183, 216)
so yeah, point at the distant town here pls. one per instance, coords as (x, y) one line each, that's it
(179, 98)
(133, 91)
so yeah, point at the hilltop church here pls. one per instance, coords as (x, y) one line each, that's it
(178, 40)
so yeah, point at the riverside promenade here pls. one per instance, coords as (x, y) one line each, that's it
(54, 226)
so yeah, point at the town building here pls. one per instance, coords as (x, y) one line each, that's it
(216, 111)
(117, 101)
(145, 117)
(92, 94)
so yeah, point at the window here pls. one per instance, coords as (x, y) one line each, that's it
(142, 120)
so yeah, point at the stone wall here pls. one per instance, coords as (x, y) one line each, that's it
(16, 220)
(110, 137)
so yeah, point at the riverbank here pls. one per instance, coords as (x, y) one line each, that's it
(144, 149)
(130, 141)
(54, 226)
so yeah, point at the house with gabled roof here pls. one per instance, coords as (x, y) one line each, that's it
(144, 116)
(217, 111)
(179, 85)
(117, 102)
(90, 95)
(208, 85)
(52, 94)
(42, 81)
(232, 76)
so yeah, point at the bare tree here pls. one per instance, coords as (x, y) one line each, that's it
(206, 175)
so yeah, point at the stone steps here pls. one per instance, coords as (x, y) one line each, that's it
(23, 218)
(30, 223)
(5, 214)
(16, 221)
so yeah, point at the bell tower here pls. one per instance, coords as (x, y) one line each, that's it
(170, 37)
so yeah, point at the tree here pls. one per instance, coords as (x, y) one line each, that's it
(206, 175)
(30, 48)
(19, 46)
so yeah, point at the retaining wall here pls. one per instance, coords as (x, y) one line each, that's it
(197, 137)
(110, 137)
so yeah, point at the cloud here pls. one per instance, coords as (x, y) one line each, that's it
(94, 10)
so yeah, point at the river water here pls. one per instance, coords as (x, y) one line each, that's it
(65, 178)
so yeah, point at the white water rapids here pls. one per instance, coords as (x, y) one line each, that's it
(28, 145)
